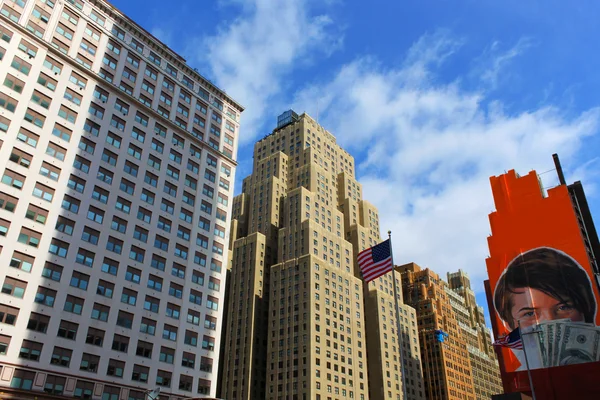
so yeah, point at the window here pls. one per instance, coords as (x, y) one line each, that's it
(127, 186)
(14, 287)
(85, 257)
(161, 243)
(31, 350)
(206, 207)
(140, 234)
(76, 183)
(193, 317)
(188, 198)
(89, 363)
(110, 266)
(115, 368)
(100, 194)
(147, 196)
(158, 262)
(22, 379)
(7, 202)
(8, 314)
(70, 204)
(100, 312)
(96, 111)
(21, 65)
(188, 360)
(123, 205)
(105, 289)
(185, 383)
(191, 338)
(137, 254)
(151, 179)
(137, 46)
(56, 151)
(140, 373)
(15, 84)
(133, 275)
(114, 140)
(61, 132)
(47, 82)
(176, 290)
(122, 107)
(214, 284)
(195, 297)
(29, 237)
(210, 322)
(155, 283)
(67, 114)
(83, 389)
(115, 245)
(212, 303)
(163, 378)
(4, 225)
(118, 32)
(118, 123)
(169, 333)
(111, 392)
(43, 192)
(94, 17)
(67, 330)
(114, 47)
(50, 271)
(129, 74)
(73, 304)
(65, 226)
(59, 248)
(61, 356)
(79, 280)
(170, 189)
(78, 80)
(95, 337)
(157, 146)
(173, 311)
(38, 322)
(13, 179)
(91, 127)
(151, 304)
(144, 215)
(129, 297)
(109, 157)
(173, 172)
(134, 151)
(148, 326)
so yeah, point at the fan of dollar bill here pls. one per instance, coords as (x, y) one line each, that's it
(561, 342)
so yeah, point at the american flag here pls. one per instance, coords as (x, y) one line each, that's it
(512, 340)
(375, 261)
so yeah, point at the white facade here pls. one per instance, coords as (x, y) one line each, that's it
(114, 216)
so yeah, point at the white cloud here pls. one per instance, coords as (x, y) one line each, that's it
(426, 150)
(251, 55)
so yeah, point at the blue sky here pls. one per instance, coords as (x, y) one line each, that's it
(431, 97)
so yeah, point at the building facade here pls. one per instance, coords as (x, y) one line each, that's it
(447, 369)
(471, 322)
(299, 321)
(114, 207)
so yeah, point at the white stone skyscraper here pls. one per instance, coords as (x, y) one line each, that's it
(116, 181)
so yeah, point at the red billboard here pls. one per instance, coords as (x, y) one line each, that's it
(540, 277)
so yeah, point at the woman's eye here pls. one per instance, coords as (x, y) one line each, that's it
(564, 307)
(529, 314)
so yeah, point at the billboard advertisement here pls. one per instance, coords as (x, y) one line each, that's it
(540, 277)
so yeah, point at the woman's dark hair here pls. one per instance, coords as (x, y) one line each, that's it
(551, 272)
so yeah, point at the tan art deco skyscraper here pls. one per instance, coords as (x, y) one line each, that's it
(296, 305)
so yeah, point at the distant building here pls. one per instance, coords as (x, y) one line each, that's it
(447, 369)
(471, 321)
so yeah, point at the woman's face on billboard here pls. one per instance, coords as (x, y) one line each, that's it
(531, 306)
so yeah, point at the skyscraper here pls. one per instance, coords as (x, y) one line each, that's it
(297, 308)
(471, 323)
(114, 206)
(447, 369)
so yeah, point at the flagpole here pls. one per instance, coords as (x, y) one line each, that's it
(526, 361)
(398, 321)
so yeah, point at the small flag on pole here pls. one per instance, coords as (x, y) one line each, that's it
(375, 261)
(512, 340)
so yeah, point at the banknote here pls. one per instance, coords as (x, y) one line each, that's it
(551, 328)
(578, 344)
